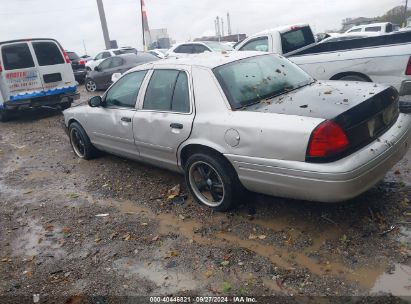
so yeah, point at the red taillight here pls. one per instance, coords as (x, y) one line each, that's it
(408, 69)
(327, 140)
(66, 57)
(81, 61)
(1, 68)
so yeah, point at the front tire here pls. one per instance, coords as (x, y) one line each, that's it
(91, 85)
(212, 181)
(80, 142)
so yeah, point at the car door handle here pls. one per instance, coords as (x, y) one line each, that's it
(176, 126)
(126, 119)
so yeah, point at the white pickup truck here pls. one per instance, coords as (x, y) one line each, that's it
(383, 59)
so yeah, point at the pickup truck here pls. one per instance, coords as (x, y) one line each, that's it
(383, 59)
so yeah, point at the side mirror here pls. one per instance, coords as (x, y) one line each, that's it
(115, 77)
(95, 102)
(97, 68)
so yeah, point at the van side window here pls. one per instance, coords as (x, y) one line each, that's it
(17, 56)
(48, 53)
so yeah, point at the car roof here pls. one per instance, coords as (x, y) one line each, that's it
(28, 39)
(207, 60)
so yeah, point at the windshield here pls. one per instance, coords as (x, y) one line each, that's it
(254, 79)
(217, 46)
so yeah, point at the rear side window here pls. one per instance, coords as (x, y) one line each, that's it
(296, 39)
(373, 29)
(198, 48)
(167, 91)
(48, 53)
(258, 44)
(185, 49)
(17, 56)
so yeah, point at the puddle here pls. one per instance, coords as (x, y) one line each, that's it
(34, 240)
(398, 283)
(167, 281)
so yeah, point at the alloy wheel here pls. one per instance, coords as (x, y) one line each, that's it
(77, 143)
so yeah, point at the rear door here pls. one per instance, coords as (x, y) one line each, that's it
(165, 116)
(55, 70)
(20, 78)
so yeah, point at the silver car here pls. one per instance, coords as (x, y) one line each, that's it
(250, 121)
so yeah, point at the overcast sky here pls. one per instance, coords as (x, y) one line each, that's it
(74, 21)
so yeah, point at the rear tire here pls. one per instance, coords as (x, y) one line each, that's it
(4, 115)
(91, 85)
(80, 142)
(212, 181)
(354, 78)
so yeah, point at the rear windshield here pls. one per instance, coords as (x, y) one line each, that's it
(258, 78)
(217, 46)
(48, 53)
(125, 51)
(16, 56)
(296, 39)
(73, 56)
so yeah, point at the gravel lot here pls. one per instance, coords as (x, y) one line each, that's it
(106, 227)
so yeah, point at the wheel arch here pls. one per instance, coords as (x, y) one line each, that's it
(191, 148)
(350, 73)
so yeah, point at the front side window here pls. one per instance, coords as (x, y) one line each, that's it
(106, 55)
(168, 91)
(17, 56)
(116, 62)
(258, 44)
(99, 56)
(48, 53)
(125, 91)
(254, 79)
(105, 64)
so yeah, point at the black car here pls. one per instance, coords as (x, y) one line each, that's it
(100, 77)
(79, 67)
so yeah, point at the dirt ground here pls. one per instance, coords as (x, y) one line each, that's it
(106, 227)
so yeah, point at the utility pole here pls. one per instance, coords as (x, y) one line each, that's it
(405, 13)
(103, 23)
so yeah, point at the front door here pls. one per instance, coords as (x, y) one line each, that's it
(110, 127)
(165, 117)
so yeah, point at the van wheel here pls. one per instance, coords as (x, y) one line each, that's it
(91, 85)
(80, 142)
(212, 181)
(4, 115)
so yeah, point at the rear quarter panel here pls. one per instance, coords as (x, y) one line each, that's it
(384, 64)
(264, 135)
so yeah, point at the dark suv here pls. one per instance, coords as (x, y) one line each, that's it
(79, 67)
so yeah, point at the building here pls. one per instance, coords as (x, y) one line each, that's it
(159, 39)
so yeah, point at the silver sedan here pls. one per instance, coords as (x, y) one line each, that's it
(248, 120)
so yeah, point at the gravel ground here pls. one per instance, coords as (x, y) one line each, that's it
(105, 227)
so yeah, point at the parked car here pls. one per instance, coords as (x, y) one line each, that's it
(198, 47)
(377, 28)
(79, 67)
(34, 73)
(383, 59)
(160, 53)
(107, 54)
(100, 77)
(249, 120)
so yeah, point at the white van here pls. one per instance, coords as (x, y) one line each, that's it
(34, 73)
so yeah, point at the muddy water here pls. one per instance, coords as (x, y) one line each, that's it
(397, 283)
(279, 256)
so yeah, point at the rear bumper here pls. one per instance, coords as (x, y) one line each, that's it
(327, 182)
(41, 101)
(405, 88)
